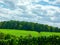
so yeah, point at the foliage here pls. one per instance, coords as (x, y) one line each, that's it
(27, 26)
(29, 40)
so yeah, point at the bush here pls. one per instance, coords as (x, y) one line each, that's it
(6, 39)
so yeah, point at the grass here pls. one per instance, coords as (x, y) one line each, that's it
(49, 33)
(19, 32)
(26, 33)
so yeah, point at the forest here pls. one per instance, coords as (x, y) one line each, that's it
(29, 26)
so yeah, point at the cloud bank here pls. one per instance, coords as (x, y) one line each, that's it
(40, 11)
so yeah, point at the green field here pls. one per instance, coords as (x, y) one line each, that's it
(19, 32)
(26, 33)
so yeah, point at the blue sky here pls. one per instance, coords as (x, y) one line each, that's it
(40, 11)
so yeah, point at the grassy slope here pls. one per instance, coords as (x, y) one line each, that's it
(26, 33)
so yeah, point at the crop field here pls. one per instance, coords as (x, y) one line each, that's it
(23, 37)
(26, 33)
(19, 32)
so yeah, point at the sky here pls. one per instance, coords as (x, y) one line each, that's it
(39, 11)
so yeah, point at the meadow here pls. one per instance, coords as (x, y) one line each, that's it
(19, 32)
(23, 37)
(26, 33)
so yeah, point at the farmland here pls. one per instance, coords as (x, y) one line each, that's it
(26, 33)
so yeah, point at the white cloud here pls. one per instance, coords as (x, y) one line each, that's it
(27, 11)
(54, 2)
(52, 18)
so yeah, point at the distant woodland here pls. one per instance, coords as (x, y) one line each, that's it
(29, 26)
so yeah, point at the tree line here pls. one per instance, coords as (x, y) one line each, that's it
(29, 26)
(7, 39)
